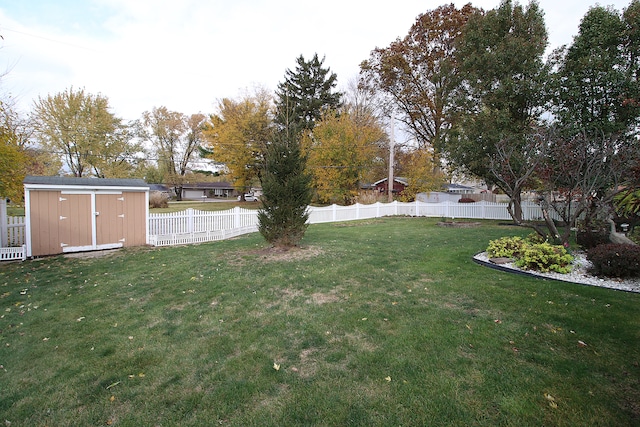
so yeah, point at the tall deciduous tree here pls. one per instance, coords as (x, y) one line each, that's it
(415, 164)
(238, 135)
(306, 94)
(596, 86)
(175, 138)
(13, 160)
(419, 73)
(504, 77)
(80, 128)
(340, 150)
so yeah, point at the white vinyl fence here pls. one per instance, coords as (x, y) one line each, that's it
(12, 241)
(194, 226)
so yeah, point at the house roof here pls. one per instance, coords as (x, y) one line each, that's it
(158, 187)
(398, 179)
(208, 186)
(54, 181)
(457, 187)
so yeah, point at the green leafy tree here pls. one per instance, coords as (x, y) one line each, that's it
(238, 134)
(80, 128)
(306, 94)
(504, 77)
(286, 191)
(596, 87)
(175, 139)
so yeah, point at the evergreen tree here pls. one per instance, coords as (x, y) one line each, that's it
(286, 191)
(306, 94)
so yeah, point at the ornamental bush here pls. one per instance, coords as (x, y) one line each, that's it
(532, 254)
(545, 257)
(615, 260)
(466, 200)
(507, 247)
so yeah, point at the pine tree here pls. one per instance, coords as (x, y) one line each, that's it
(286, 191)
(306, 93)
(302, 99)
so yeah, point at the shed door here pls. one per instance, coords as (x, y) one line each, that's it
(90, 221)
(75, 222)
(109, 217)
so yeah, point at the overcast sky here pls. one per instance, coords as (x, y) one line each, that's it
(187, 54)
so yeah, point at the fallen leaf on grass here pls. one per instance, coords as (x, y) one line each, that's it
(113, 385)
(387, 379)
(551, 399)
(112, 398)
(582, 344)
(276, 366)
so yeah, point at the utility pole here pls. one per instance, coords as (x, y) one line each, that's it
(392, 144)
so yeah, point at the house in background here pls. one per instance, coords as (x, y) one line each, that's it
(207, 190)
(160, 189)
(382, 186)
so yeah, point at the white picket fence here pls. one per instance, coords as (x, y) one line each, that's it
(195, 226)
(12, 240)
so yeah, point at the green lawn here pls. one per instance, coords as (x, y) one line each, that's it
(205, 206)
(384, 322)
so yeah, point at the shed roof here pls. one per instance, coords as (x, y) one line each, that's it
(84, 182)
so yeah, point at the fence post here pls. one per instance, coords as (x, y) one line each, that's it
(236, 217)
(190, 220)
(357, 210)
(335, 212)
(4, 226)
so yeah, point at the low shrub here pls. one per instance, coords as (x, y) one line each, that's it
(615, 260)
(158, 200)
(466, 200)
(593, 234)
(532, 253)
(545, 257)
(535, 238)
(507, 247)
(591, 238)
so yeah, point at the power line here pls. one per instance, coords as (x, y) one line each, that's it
(48, 39)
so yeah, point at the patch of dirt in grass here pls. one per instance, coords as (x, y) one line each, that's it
(308, 364)
(274, 254)
(358, 223)
(458, 224)
(325, 297)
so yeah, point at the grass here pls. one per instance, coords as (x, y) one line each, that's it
(372, 323)
(205, 206)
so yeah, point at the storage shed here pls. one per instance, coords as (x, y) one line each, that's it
(84, 214)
